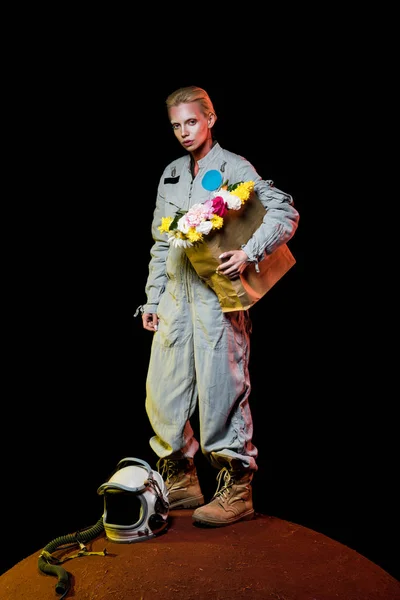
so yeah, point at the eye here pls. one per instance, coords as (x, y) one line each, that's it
(192, 122)
(175, 125)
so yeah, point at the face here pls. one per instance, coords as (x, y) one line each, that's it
(192, 129)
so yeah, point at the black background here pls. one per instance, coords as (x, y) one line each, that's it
(91, 146)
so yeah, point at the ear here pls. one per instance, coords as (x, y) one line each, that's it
(211, 120)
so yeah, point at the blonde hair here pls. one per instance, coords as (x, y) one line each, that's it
(191, 93)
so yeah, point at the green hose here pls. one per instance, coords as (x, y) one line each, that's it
(46, 558)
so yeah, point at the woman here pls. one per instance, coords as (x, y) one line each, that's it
(200, 354)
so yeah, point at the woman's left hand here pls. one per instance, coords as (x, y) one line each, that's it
(234, 263)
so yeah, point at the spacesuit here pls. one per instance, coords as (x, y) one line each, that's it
(200, 354)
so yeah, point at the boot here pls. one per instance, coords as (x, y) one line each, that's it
(233, 500)
(182, 482)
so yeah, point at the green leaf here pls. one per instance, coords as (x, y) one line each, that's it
(233, 186)
(178, 215)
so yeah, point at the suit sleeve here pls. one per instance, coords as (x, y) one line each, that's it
(157, 276)
(281, 218)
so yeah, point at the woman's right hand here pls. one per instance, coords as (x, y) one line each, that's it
(150, 321)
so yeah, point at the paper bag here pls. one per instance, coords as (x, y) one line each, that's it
(239, 226)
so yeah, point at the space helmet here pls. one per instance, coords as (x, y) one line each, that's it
(136, 503)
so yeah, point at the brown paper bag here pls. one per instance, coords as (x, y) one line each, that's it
(239, 226)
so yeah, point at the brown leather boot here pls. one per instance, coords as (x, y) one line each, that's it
(232, 502)
(182, 482)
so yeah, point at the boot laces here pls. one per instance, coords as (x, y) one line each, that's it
(225, 482)
(168, 468)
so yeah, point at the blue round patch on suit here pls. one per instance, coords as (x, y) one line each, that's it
(211, 180)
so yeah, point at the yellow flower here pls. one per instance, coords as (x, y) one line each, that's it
(244, 190)
(194, 236)
(217, 221)
(165, 224)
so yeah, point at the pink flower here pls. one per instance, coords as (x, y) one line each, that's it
(220, 207)
(197, 214)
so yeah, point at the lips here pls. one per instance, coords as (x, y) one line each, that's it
(188, 143)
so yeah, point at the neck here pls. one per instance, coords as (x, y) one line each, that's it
(202, 150)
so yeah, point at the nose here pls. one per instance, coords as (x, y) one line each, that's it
(184, 131)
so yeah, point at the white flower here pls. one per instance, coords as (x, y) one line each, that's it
(178, 242)
(234, 202)
(183, 225)
(204, 227)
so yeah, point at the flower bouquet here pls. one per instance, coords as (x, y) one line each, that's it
(189, 227)
(226, 222)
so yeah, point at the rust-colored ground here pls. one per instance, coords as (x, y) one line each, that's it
(266, 558)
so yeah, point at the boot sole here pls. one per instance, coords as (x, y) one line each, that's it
(194, 502)
(209, 523)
